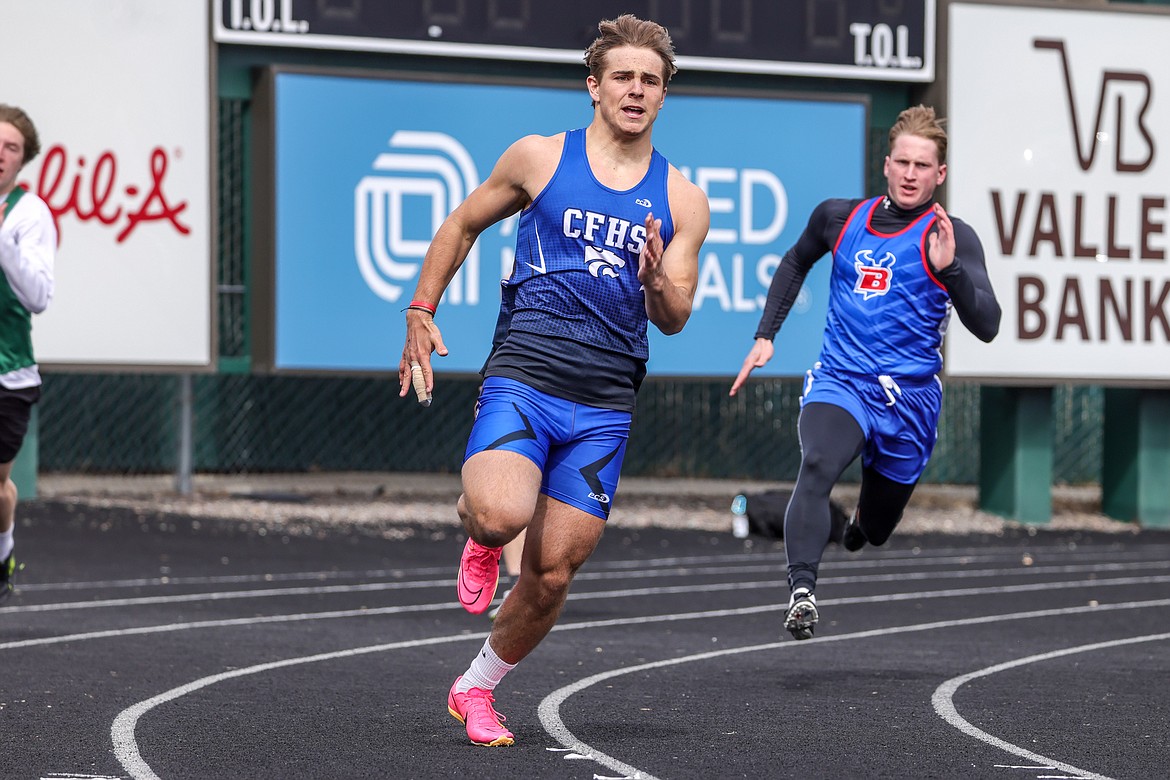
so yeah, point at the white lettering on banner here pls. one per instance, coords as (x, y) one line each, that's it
(385, 256)
(508, 249)
(265, 16)
(758, 195)
(879, 45)
(733, 296)
(750, 181)
(705, 178)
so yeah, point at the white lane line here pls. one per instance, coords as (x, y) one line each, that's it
(230, 595)
(122, 732)
(401, 574)
(167, 580)
(1153, 553)
(881, 597)
(627, 593)
(549, 708)
(959, 574)
(115, 633)
(1027, 570)
(944, 705)
(374, 587)
(346, 589)
(128, 754)
(126, 745)
(603, 570)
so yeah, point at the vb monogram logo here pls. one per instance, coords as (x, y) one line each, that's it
(1113, 83)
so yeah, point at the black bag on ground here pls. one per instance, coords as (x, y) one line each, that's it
(765, 514)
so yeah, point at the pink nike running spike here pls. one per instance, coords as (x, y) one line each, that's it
(479, 573)
(474, 709)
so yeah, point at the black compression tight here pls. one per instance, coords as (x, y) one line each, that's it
(830, 439)
(880, 505)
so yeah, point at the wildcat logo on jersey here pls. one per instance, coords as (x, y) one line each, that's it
(602, 262)
(873, 276)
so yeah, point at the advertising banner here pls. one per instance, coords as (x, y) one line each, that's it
(119, 93)
(366, 169)
(1059, 160)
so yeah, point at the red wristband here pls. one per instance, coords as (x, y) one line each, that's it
(422, 305)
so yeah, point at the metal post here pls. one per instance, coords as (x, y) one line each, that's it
(1015, 453)
(186, 439)
(1135, 468)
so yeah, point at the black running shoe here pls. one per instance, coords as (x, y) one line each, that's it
(7, 575)
(801, 618)
(853, 539)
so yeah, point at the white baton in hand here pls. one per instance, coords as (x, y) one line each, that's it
(420, 384)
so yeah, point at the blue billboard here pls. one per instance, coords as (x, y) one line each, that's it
(366, 169)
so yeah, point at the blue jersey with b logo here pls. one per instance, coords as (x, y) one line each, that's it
(887, 310)
(573, 314)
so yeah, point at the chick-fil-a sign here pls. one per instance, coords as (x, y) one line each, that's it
(134, 271)
(73, 187)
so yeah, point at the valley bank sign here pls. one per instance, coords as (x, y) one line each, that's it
(1064, 177)
(367, 169)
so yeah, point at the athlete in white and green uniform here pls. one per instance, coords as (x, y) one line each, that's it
(28, 241)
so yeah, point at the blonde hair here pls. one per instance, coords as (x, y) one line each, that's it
(629, 30)
(922, 122)
(18, 119)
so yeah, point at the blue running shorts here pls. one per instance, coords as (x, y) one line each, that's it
(579, 449)
(899, 420)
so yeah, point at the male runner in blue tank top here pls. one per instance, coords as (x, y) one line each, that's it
(608, 240)
(900, 263)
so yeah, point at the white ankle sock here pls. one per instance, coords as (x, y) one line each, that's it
(485, 671)
(5, 544)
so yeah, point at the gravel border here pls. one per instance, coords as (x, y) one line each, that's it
(377, 502)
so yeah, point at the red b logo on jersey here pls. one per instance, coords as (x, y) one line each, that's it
(873, 276)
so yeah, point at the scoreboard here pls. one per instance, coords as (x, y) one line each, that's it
(888, 40)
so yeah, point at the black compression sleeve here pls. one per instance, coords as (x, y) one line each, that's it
(819, 236)
(786, 283)
(968, 285)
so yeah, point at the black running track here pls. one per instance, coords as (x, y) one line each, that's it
(154, 646)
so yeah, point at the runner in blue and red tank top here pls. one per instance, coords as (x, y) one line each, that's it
(608, 242)
(900, 264)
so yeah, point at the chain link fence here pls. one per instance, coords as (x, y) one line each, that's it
(232, 191)
(129, 424)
